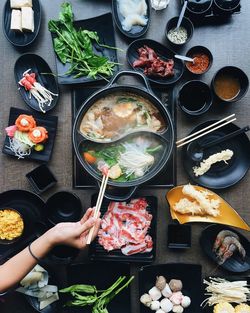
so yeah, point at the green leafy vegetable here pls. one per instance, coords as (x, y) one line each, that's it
(76, 47)
(100, 298)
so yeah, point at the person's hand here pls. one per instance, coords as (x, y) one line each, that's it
(75, 234)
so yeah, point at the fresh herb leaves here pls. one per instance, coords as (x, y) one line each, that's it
(75, 46)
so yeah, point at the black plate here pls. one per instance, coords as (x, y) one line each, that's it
(189, 274)
(103, 25)
(49, 122)
(30, 206)
(39, 66)
(221, 175)
(25, 38)
(209, 309)
(97, 252)
(136, 30)
(233, 264)
(163, 52)
(102, 275)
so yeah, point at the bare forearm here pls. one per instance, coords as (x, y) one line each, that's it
(21, 264)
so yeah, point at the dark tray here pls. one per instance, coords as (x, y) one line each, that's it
(97, 252)
(165, 179)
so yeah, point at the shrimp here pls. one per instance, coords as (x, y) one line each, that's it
(227, 248)
(221, 236)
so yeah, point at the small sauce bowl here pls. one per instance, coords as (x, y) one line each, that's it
(203, 60)
(195, 98)
(230, 84)
(185, 24)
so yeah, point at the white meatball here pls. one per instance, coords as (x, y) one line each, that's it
(155, 305)
(155, 293)
(146, 299)
(166, 292)
(185, 302)
(160, 311)
(166, 305)
(178, 309)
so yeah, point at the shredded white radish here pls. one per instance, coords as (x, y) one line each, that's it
(220, 290)
(135, 160)
(19, 148)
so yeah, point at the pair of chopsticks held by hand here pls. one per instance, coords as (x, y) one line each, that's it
(98, 203)
(203, 132)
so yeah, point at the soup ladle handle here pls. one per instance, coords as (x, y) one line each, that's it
(226, 137)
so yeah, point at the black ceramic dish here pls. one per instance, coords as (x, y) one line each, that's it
(237, 74)
(226, 6)
(136, 30)
(14, 240)
(98, 253)
(41, 178)
(186, 23)
(63, 206)
(61, 255)
(26, 38)
(163, 52)
(235, 262)
(199, 8)
(195, 98)
(220, 175)
(189, 274)
(179, 236)
(102, 275)
(49, 122)
(42, 70)
(167, 136)
(30, 206)
(197, 50)
(103, 25)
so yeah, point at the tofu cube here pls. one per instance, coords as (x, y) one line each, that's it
(16, 21)
(18, 4)
(27, 19)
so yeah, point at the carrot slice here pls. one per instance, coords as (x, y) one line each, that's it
(38, 134)
(25, 123)
(89, 158)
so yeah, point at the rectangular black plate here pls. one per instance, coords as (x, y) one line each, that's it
(165, 179)
(209, 309)
(97, 252)
(102, 275)
(103, 25)
(47, 121)
(189, 274)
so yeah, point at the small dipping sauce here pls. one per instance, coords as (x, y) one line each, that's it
(195, 98)
(178, 35)
(226, 86)
(202, 60)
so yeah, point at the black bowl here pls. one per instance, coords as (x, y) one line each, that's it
(199, 49)
(41, 178)
(186, 23)
(61, 255)
(26, 38)
(137, 30)
(44, 76)
(226, 6)
(235, 73)
(198, 8)
(195, 98)
(14, 240)
(179, 236)
(63, 206)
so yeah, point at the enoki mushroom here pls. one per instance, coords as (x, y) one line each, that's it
(40, 93)
(220, 290)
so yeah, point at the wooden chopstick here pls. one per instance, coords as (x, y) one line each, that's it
(98, 204)
(207, 132)
(202, 130)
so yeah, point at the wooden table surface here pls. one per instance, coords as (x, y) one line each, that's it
(230, 45)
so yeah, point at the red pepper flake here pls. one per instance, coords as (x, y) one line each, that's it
(200, 65)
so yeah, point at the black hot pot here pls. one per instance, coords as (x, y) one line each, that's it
(166, 137)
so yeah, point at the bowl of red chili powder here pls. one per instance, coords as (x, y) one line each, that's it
(203, 60)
